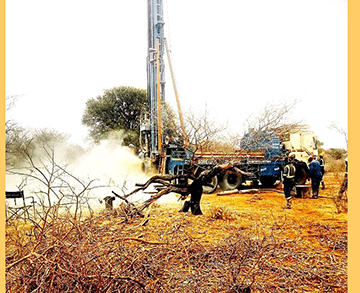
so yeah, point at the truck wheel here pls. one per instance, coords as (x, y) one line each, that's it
(267, 182)
(231, 180)
(214, 183)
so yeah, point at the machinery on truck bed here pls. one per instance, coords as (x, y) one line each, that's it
(260, 161)
(302, 144)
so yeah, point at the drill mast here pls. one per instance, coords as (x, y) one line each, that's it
(155, 74)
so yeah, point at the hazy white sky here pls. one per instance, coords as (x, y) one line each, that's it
(234, 56)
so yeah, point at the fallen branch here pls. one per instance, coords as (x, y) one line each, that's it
(129, 204)
(195, 188)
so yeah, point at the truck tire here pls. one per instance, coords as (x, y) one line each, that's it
(214, 182)
(267, 181)
(231, 180)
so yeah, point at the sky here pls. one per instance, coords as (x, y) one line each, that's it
(232, 57)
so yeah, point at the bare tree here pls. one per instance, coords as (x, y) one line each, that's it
(55, 188)
(16, 137)
(21, 142)
(334, 125)
(202, 131)
(11, 101)
(273, 119)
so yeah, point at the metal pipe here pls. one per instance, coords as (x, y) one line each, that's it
(158, 96)
(176, 95)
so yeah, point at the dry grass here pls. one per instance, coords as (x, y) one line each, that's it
(221, 213)
(242, 243)
(334, 165)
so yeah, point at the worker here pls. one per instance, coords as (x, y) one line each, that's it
(315, 176)
(195, 189)
(301, 174)
(288, 178)
(322, 166)
(109, 202)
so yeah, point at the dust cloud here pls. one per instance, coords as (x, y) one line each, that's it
(106, 167)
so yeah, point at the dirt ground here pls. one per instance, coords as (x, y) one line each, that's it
(243, 242)
(313, 223)
(250, 208)
(311, 227)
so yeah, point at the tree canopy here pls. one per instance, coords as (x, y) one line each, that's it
(118, 108)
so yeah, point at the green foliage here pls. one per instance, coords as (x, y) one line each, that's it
(118, 108)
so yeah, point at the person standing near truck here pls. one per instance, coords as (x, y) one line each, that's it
(315, 175)
(288, 181)
(322, 166)
(301, 175)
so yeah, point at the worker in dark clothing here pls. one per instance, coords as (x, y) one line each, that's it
(315, 176)
(109, 202)
(288, 181)
(196, 189)
(301, 175)
(322, 166)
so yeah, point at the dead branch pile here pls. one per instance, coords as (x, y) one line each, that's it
(169, 183)
(94, 256)
(164, 186)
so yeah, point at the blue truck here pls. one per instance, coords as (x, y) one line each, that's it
(259, 161)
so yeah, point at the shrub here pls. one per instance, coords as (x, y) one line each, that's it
(221, 213)
(336, 154)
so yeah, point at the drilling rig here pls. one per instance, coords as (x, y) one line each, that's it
(262, 164)
(168, 156)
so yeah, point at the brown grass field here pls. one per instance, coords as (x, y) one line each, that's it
(244, 242)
